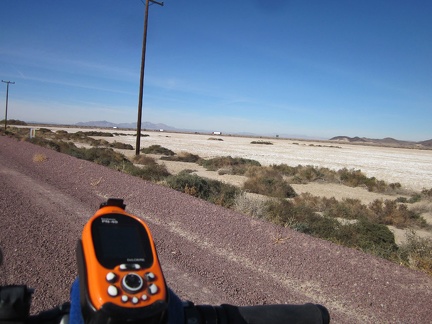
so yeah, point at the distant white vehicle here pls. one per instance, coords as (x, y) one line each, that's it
(161, 130)
(217, 133)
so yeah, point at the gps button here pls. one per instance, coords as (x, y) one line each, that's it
(132, 282)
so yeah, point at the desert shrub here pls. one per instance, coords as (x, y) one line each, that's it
(285, 169)
(309, 174)
(156, 149)
(107, 157)
(59, 146)
(379, 186)
(187, 180)
(58, 135)
(141, 135)
(93, 142)
(97, 133)
(305, 174)
(45, 143)
(401, 200)
(389, 212)
(103, 156)
(285, 213)
(414, 198)
(101, 142)
(39, 157)
(373, 238)
(352, 178)
(122, 146)
(427, 193)
(266, 181)
(14, 132)
(315, 203)
(188, 171)
(330, 207)
(182, 157)
(14, 122)
(323, 227)
(71, 149)
(150, 172)
(78, 136)
(364, 235)
(45, 131)
(262, 142)
(347, 209)
(416, 252)
(214, 191)
(423, 207)
(81, 137)
(356, 178)
(188, 157)
(302, 218)
(395, 185)
(236, 165)
(224, 171)
(251, 206)
(61, 132)
(144, 160)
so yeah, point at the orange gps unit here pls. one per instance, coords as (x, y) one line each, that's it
(121, 280)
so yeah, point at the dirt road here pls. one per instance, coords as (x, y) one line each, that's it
(209, 254)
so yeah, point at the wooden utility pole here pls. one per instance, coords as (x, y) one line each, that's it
(141, 91)
(7, 97)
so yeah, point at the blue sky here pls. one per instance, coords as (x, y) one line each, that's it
(310, 68)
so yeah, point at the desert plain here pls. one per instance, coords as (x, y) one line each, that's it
(412, 168)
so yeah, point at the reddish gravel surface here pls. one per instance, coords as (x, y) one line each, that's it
(209, 254)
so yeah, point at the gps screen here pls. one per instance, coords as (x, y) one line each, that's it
(120, 240)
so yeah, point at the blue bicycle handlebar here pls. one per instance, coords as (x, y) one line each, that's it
(15, 305)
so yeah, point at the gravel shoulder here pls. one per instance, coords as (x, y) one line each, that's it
(209, 254)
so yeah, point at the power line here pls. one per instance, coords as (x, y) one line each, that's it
(141, 91)
(7, 98)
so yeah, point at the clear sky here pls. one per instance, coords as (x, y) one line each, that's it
(314, 68)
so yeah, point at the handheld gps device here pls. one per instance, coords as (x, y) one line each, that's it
(121, 279)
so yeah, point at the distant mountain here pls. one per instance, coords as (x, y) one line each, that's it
(348, 139)
(427, 143)
(388, 141)
(106, 124)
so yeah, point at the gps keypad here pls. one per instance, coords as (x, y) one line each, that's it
(131, 287)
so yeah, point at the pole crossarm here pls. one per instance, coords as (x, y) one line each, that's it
(157, 2)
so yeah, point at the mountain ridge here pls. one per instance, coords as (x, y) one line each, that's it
(383, 141)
